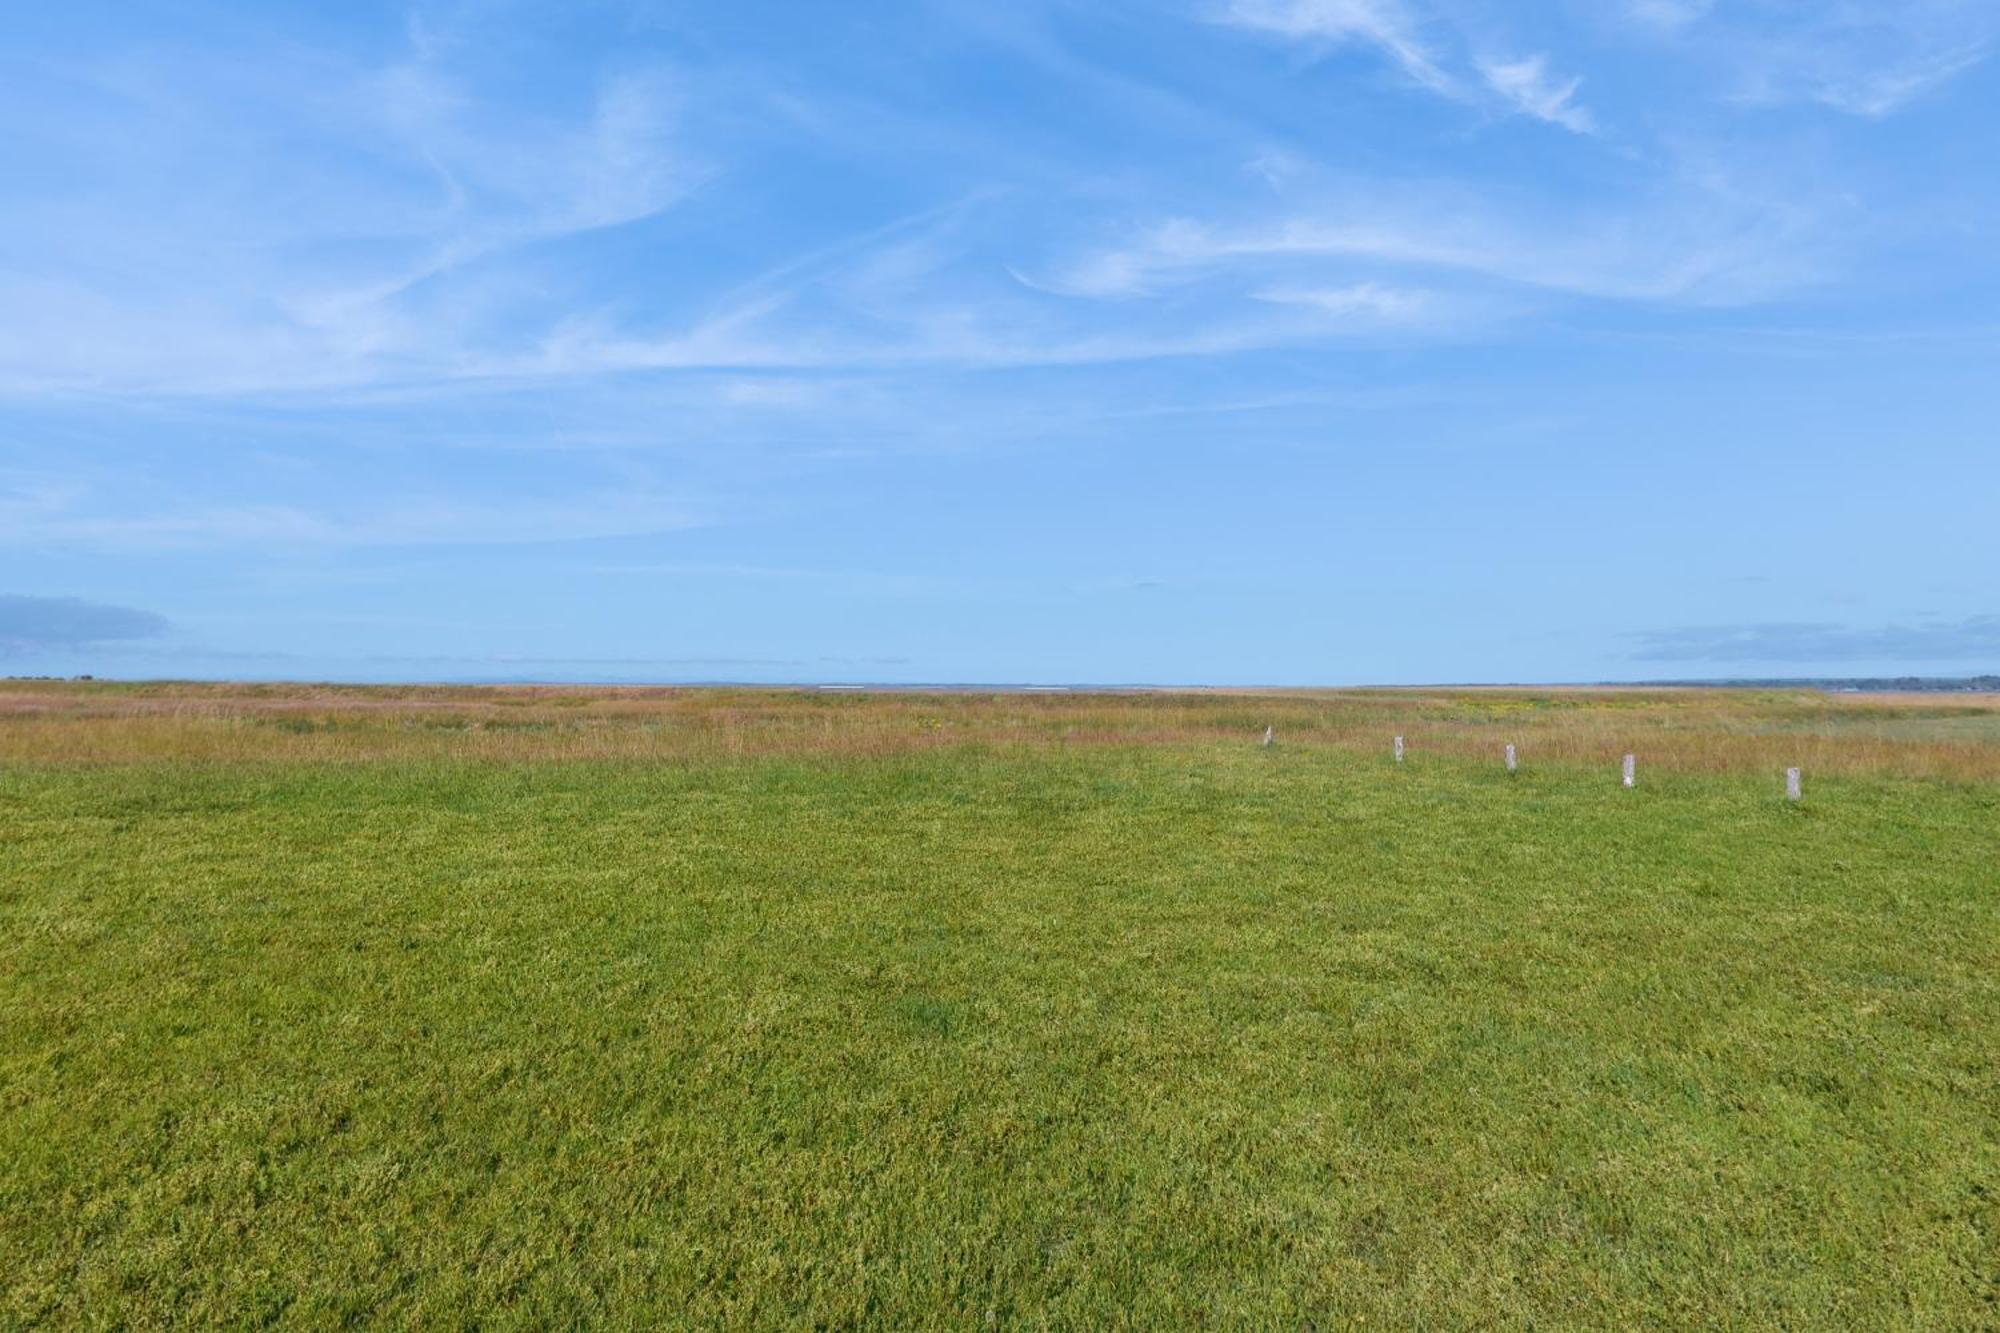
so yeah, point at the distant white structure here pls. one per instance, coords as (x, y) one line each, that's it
(1399, 749)
(1510, 759)
(1631, 769)
(1793, 791)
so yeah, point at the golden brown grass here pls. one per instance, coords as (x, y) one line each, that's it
(64, 723)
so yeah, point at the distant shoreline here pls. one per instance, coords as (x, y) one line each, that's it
(1981, 684)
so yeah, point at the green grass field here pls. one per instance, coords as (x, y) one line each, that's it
(1120, 1034)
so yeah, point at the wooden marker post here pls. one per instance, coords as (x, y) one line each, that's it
(1399, 749)
(1510, 759)
(1793, 791)
(1631, 770)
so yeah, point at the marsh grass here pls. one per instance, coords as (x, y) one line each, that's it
(1955, 737)
(532, 1008)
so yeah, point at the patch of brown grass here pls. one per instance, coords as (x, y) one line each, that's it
(63, 723)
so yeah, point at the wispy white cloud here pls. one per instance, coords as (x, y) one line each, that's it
(967, 337)
(1386, 25)
(1668, 15)
(502, 185)
(1528, 85)
(917, 296)
(79, 517)
(1710, 248)
(443, 263)
(1449, 68)
(1855, 56)
(1863, 89)
(1361, 298)
(194, 248)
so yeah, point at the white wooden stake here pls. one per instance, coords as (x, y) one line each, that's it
(1267, 736)
(1631, 768)
(1510, 759)
(1792, 790)
(1399, 749)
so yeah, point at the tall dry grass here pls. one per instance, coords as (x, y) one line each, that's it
(68, 723)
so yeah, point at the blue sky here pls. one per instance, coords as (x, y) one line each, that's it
(1251, 341)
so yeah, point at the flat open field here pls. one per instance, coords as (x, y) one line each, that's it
(671, 1008)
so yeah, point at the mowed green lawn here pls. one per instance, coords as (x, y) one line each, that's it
(1067, 1037)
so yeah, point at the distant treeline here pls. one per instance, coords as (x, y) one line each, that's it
(1858, 684)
